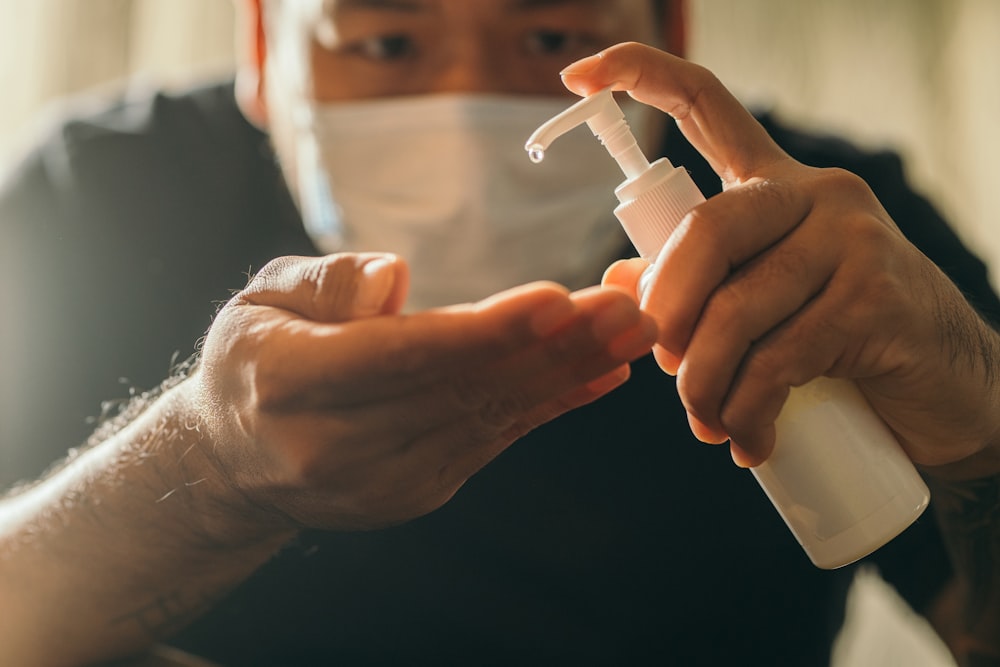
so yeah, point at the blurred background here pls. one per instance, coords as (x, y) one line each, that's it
(916, 76)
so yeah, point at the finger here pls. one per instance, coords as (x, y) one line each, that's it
(454, 440)
(464, 461)
(521, 332)
(465, 419)
(444, 456)
(706, 433)
(770, 290)
(750, 457)
(847, 330)
(606, 331)
(710, 117)
(773, 367)
(713, 241)
(668, 362)
(334, 288)
(374, 359)
(625, 275)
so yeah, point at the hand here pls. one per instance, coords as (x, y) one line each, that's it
(792, 273)
(327, 407)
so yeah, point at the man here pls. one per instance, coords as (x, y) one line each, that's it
(335, 481)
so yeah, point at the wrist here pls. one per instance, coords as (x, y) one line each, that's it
(981, 465)
(222, 514)
(128, 541)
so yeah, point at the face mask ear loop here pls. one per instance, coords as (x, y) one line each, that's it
(321, 215)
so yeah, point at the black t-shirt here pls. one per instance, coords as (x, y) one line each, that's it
(606, 536)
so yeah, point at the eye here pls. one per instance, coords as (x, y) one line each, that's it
(386, 47)
(546, 42)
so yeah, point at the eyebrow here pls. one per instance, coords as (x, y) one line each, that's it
(418, 5)
(541, 4)
(396, 5)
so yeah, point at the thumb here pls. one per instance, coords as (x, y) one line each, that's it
(334, 288)
(625, 275)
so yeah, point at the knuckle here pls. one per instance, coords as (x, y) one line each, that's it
(701, 226)
(744, 418)
(329, 277)
(768, 366)
(756, 400)
(841, 181)
(626, 50)
(320, 288)
(468, 392)
(770, 194)
(766, 195)
(500, 412)
(270, 275)
(730, 303)
(330, 281)
(882, 289)
(870, 239)
(698, 397)
(847, 189)
(791, 263)
(876, 293)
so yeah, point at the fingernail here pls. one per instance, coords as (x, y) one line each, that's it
(742, 456)
(582, 66)
(374, 287)
(669, 364)
(644, 280)
(704, 433)
(667, 361)
(612, 380)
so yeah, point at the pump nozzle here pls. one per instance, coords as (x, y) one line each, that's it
(654, 197)
(605, 118)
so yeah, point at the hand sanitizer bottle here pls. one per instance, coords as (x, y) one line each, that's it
(836, 475)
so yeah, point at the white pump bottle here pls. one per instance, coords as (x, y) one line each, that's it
(836, 475)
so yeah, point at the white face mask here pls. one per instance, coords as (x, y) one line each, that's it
(444, 182)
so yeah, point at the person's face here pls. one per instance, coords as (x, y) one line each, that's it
(338, 50)
(356, 49)
(377, 48)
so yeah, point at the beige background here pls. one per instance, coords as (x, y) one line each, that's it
(916, 75)
(920, 76)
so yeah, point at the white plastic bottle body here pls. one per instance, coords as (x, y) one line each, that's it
(837, 475)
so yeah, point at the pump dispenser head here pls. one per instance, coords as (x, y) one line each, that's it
(654, 197)
(605, 119)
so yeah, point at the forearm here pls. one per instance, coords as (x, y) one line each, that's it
(124, 545)
(965, 495)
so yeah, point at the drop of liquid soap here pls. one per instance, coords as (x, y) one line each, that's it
(536, 153)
